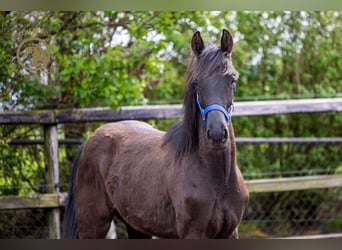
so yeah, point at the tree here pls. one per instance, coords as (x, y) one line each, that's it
(128, 58)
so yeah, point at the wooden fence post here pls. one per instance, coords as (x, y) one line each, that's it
(52, 176)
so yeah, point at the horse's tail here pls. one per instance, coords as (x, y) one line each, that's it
(70, 226)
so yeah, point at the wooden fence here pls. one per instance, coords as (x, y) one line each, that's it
(50, 118)
(166, 112)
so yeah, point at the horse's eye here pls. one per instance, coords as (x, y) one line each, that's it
(196, 83)
(233, 85)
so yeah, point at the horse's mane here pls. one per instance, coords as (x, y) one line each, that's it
(184, 135)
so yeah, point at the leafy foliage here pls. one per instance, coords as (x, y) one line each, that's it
(128, 58)
(131, 58)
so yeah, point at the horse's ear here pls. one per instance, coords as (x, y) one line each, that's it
(226, 42)
(197, 44)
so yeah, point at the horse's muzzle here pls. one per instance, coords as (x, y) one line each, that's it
(217, 131)
(217, 138)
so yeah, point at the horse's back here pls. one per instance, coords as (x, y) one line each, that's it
(137, 126)
(125, 127)
(124, 135)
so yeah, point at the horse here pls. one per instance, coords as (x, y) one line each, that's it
(183, 183)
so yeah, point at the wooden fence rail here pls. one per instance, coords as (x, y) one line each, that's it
(166, 112)
(50, 118)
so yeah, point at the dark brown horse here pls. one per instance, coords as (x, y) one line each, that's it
(184, 183)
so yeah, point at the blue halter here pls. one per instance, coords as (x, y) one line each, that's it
(211, 107)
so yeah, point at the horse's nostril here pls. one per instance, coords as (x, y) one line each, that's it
(225, 134)
(208, 134)
(218, 136)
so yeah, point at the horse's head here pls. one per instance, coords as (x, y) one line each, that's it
(212, 81)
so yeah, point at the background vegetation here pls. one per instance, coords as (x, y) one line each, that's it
(114, 59)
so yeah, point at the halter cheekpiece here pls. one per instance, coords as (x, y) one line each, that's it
(206, 110)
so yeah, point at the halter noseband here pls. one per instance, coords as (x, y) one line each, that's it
(211, 107)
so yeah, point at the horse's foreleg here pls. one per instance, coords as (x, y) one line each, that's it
(191, 230)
